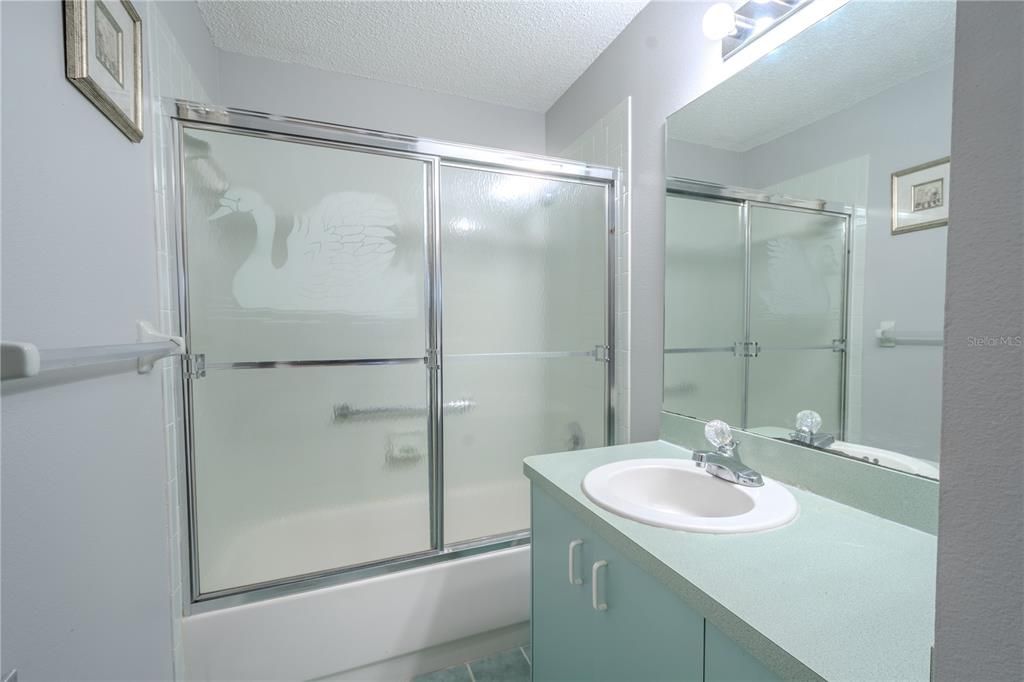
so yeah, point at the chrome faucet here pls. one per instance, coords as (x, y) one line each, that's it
(724, 461)
(807, 424)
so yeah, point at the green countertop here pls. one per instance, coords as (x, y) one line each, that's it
(838, 593)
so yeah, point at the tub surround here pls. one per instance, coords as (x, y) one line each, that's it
(838, 594)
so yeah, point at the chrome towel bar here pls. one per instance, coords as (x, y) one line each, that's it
(346, 413)
(20, 360)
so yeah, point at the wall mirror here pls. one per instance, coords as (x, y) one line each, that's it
(806, 221)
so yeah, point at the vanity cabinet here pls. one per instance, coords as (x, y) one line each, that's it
(598, 616)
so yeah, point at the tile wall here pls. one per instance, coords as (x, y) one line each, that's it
(169, 75)
(608, 143)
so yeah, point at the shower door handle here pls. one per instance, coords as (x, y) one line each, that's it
(573, 579)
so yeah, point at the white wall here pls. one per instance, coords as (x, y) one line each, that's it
(182, 37)
(85, 555)
(305, 92)
(980, 600)
(662, 60)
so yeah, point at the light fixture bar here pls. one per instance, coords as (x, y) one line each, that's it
(738, 28)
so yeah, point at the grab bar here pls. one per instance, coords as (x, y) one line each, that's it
(345, 412)
(886, 335)
(19, 360)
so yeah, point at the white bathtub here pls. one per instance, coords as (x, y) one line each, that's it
(348, 535)
(390, 627)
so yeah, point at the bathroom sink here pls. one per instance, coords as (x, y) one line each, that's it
(677, 494)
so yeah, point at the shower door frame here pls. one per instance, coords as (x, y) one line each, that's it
(183, 115)
(744, 199)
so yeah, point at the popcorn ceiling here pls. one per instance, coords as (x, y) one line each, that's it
(517, 54)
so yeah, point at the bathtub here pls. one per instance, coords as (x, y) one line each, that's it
(389, 627)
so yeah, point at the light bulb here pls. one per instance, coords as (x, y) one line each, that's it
(719, 21)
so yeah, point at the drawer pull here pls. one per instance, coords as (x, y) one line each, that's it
(599, 604)
(573, 578)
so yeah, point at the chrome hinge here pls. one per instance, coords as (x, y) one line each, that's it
(197, 365)
(838, 345)
(601, 353)
(746, 349)
(433, 359)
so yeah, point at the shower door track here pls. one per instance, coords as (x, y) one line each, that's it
(435, 154)
(745, 198)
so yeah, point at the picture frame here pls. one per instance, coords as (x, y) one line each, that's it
(103, 59)
(920, 197)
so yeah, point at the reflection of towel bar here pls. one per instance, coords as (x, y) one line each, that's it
(345, 412)
(886, 335)
(22, 360)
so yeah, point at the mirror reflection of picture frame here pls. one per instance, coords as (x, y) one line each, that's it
(920, 197)
(103, 59)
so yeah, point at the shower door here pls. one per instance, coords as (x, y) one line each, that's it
(705, 298)
(307, 324)
(525, 328)
(755, 316)
(380, 330)
(797, 316)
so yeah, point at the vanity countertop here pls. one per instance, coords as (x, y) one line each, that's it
(838, 593)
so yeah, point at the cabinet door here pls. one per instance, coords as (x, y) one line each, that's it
(727, 661)
(561, 619)
(645, 633)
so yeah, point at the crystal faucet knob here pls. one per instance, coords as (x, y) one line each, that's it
(808, 420)
(718, 433)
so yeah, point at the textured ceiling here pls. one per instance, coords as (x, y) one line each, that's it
(519, 54)
(864, 48)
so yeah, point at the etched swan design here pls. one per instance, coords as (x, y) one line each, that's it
(340, 257)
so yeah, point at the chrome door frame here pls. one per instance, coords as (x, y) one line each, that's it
(744, 199)
(183, 115)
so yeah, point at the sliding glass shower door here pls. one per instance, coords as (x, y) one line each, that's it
(755, 313)
(797, 316)
(705, 293)
(379, 332)
(307, 318)
(524, 270)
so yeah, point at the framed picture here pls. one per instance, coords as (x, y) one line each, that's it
(920, 197)
(103, 57)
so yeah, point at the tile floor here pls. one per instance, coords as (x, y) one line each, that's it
(508, 666)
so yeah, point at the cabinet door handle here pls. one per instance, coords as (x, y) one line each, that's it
(599, 604)
(573, 578)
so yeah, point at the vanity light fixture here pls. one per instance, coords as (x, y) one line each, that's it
(738, 27)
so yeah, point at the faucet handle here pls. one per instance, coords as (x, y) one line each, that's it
(718, 433)
(808, 421)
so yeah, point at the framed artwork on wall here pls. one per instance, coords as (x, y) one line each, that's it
(103, 59)
(920, 197)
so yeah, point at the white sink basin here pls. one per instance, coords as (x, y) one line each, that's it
(676, 493)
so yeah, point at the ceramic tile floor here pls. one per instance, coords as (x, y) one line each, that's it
(508, 666)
